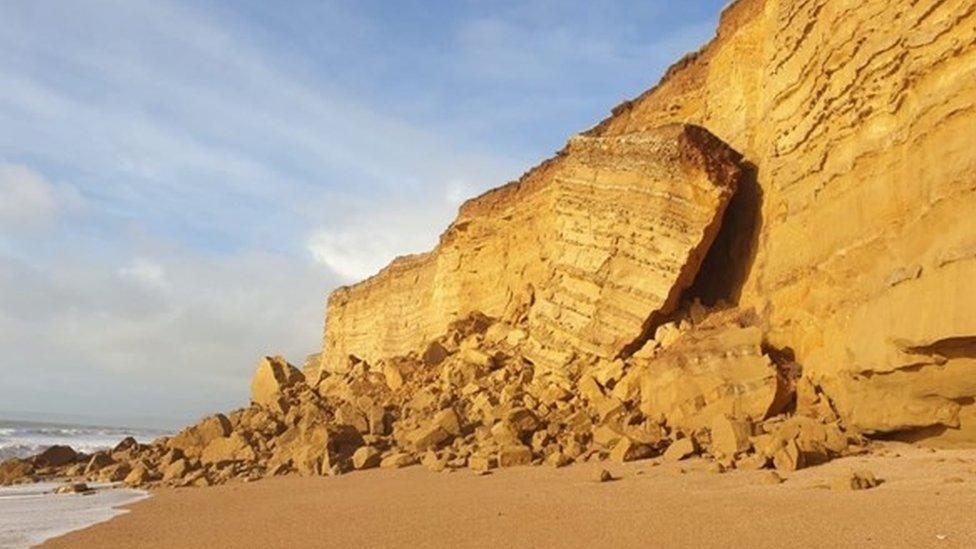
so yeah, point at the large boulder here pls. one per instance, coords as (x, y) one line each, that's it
(56, 456)
(14, 470)
(717, 369)
(272, 377)
(227, 449)
(192, 440)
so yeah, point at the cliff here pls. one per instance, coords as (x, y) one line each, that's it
(851, 232)
(585, 248)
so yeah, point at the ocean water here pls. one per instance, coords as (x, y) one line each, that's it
(32, 513)
(26, 438)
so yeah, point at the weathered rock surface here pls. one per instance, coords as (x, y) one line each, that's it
(851, 233)
(855, 239)
(14, 470)
(759, 261)
(587, 247)
(273, 375)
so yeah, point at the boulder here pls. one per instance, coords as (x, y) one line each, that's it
(192, 440)
(729, 437)
(718, 368)
(227, 449)
(397, 460)
(628, 450)
(114, 473)
(73, 488)
(125, 445)
(272, 377)
(55, 456)
(602, 475)
(14, 470)
(139, 475)
(441, 428)
(176, 470)
(513, 455)
(680, 449)
(98, 461)
(481, 463)
(366, 457)
(856, 480)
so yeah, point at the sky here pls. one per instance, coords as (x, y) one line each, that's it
(183, 182)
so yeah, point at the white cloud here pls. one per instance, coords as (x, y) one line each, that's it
(356, 253)
(75, 339)
(28, 200)
(145, 272)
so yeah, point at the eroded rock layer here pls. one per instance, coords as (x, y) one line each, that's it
(852, 234)
(588, 247)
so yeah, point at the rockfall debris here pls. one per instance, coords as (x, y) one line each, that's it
(762, 260)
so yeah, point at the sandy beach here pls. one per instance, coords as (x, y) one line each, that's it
(926, 500)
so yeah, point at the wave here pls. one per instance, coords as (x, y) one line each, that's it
(26, 439)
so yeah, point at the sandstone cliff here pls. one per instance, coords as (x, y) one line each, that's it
(586, 248)
(761, 260)
(851, 232)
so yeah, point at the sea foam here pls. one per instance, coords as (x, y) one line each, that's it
(32, 513)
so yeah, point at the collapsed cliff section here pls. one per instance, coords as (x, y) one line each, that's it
(589, 250)
(857, 116)
(851, 233)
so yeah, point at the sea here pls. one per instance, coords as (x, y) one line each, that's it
(26, 438)
(32, 513)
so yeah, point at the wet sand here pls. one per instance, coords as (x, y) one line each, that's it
(928, 499)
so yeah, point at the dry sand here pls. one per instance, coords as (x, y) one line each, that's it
(928, 499)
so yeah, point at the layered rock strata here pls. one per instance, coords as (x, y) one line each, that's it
(852, 233)
(588, 247)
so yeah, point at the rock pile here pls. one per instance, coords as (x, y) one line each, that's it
(473, 399)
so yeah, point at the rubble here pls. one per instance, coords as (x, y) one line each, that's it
(477, 401)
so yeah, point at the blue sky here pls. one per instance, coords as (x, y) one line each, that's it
(181, 183)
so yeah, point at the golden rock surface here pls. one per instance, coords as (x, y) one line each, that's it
(586, 248)
(852, 230)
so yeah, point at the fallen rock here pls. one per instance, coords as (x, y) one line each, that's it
(55, 456)
(14, 470)
(856, 480)
(73, 488)
(192, 440)
(227, 449)
(628, 450)
(716, 368)
(273, 376)
(139, 475)
(729, 437)
(98, 461)
(114, 473)
(176, 470)
(397, 461)
(513, 455)
(680, 449)
(770, 477)
(481, 463)
(603, 476)
(366, 457)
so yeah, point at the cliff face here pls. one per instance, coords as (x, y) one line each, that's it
(851, 233)
(584, 250)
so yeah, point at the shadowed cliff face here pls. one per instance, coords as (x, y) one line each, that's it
(851, 232)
